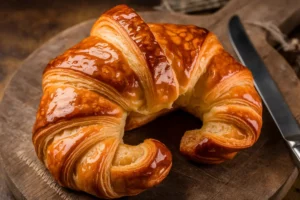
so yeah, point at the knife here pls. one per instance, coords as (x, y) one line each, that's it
(265, 86)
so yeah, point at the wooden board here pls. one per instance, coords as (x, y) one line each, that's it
(4, 190)
(256, 173)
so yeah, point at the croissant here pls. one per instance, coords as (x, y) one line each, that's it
(125, 74)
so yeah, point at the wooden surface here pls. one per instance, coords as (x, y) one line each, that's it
(256, 173)
(5, 193)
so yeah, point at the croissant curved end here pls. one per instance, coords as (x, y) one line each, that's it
(135, 178)
(204, 150)
(211, 145)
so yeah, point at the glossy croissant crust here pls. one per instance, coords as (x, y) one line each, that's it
(125, 74)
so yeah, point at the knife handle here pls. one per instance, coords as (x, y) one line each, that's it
(295, 147)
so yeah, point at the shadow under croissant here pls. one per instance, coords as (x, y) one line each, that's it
(185, 174)
(168, 129)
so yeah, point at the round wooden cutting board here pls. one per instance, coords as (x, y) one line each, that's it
(256, 173)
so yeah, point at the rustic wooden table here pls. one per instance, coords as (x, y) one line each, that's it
(27, 25)
(5, 193)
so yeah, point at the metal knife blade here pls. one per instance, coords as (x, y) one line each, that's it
(265, 85)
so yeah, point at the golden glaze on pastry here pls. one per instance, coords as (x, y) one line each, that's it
(125, 74)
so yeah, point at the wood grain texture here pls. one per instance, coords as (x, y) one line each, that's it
(5, 193)
(256, 173)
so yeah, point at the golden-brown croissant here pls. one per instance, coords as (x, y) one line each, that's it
(125, 74)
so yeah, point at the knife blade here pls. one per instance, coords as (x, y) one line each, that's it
(265, 86)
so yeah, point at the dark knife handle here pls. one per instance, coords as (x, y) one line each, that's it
(295, 147)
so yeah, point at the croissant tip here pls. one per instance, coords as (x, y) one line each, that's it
(205, 150)
(162, 162)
